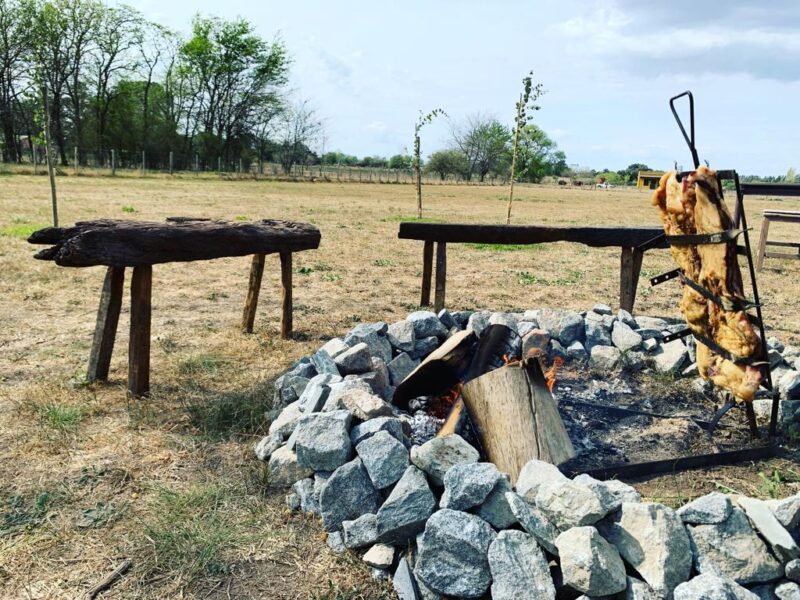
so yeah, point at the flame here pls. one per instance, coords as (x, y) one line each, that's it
(440, 407)
(550, 374)
(510, 360)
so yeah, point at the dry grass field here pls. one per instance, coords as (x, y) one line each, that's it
(89, 478)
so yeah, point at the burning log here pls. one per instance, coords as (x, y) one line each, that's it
(516, 417)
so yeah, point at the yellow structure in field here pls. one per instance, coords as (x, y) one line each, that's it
(648, 179)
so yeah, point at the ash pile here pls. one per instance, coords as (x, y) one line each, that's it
(431, 513)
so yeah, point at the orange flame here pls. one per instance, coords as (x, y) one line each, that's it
(441, 406)
(550, 374)
(510, 360)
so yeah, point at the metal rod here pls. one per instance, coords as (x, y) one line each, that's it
(690, 139)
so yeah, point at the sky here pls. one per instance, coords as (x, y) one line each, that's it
(609, 68)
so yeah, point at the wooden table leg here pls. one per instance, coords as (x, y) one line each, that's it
(286, 295)
(427, 268)
(762, 244)
(139, 343)
(105, 330)
(630, 268)
(254, 287)
(441, 276)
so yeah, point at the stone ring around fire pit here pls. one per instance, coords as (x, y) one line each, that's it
(364, 455)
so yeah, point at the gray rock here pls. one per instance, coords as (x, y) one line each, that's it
(604, 358)
(495, 510)
(525, 327)
(404, 583)
(787, 511)
(770, 528)
(401, 336)
(597, 334)
(708, 586)
(468, 485)
(401, 367)
(347, 495)
(338, 389)
(532, 315)
(624, 337)
(305, 492)
(650, 335)
(534, 522)
(360, 532)
(320, 479)
(384, 457)
(765, 591)
(293, 501)
(377, 343)
(284, 424)
(284, 470)
(652, 323)
(324, 363)
(461, 317)
(510, 320)
(361, 404)
(367, 429)
(427, 324)
(787, 590)
(379, 556)
(576, 351)
(536, 339)
(564, 325)
(519, 568)
(556, 349)
(335, 542)
(706, 510)
(436, 456)
(652, 539)
(589, 563)
(789, 385)
(334, 347)
(649, 345)
(627, 318)
(405, 511)
(602, 309)
(380, 381)
(424, 346)
(323, 440)
(638, 590)
(792, 570)
(533, 474)
(447, 320)
(453, 559)
(316, 393)
(268, 445)
(732, 549)
(611, 493)
(670, 357)
(355, 360)
(569, 504)
(379, 574)
(478, 321)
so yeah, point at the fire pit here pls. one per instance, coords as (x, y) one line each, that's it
(434, 433)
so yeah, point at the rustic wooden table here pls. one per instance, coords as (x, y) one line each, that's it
(120, 244)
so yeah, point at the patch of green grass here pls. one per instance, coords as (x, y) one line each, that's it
(62, 418)
(231, 414)
(572, 278)
(198, 364)
(526, 278)
(242, 218)
(505, 247)
(20, 231)
(214, 296)
(21, 514)
(305, 270)
(128, 209)
(400, 218)
(330, 277)
(383, 262)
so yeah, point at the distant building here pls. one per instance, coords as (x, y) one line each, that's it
(648, 179)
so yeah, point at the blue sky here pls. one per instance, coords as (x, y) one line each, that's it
(609, 68)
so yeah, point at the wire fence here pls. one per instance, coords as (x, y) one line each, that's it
(143, 163)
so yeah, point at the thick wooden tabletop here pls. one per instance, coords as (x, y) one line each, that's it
(118, 243)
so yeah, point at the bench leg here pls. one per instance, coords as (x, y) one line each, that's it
(441, 276)
(427, 268)
(105, 330)
(630, 267)
(286, 295)
(762, 244)
(253, 289)
(139, 343)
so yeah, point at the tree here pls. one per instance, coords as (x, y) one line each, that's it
(417, 164)
(631, 173)
(526, 102)
(447, 162)
(484, 141)
(15, 24)
(538, 155)
(401, 161)
(298, 130)
(791, 175)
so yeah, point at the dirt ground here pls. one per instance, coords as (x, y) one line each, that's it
(89, 478)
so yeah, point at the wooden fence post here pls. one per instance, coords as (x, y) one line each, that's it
(253, 289)
(630, 267)
(139, 342)
(427, 267)
(286, 295)
(170, 163)
(113, 162)
(143, 163)
(105, 330)
(441, 276)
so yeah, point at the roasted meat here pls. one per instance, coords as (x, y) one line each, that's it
(691, 206)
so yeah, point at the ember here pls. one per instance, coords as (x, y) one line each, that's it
(550, 374)
(440, 406)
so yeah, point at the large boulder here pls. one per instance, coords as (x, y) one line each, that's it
(670, 357)
(453, 559)
(519, 568)
(612, 493)
(589, 564)
(401, 336)
(427, 324)
(468, 485)
(436, 456)
(405, 511)
(535, 473)
(322, 442)
(347, 495)
(604, 358)
(316, 393)
(355, 360)
(569, 504)
(384, 457)
(652, 539)
(708, 586)
(732, 549)
(624, 337)
(373, 336)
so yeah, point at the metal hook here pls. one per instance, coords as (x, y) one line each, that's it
(690, 139)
